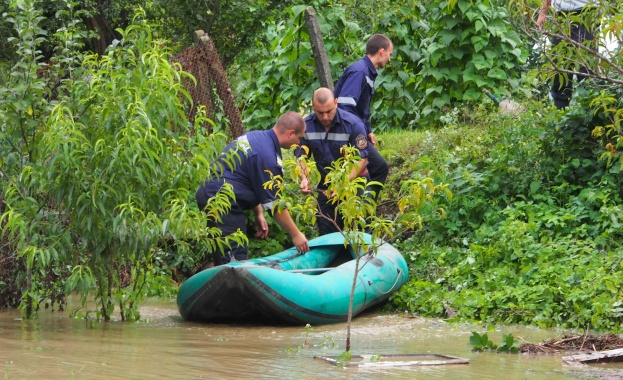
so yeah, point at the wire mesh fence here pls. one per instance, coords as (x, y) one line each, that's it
(212, 89)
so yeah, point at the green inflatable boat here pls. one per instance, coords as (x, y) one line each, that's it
(293, 288)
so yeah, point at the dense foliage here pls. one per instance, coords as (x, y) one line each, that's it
(533, 232)
(444, 53)
(234, 26)
(468, 47)
(98, 177)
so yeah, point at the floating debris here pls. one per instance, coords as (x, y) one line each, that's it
(570, 342)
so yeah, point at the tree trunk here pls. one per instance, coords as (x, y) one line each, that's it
(320, 54)
(98, 23)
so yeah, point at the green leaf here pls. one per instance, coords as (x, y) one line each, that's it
(298, 9)
(479, 25)
(437, 89)
(497, 73)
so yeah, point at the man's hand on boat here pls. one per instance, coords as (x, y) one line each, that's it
(300, 242)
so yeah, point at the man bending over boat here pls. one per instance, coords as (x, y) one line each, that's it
(258, 152)
(329, 128)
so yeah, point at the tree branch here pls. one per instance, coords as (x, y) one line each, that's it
(531, 30)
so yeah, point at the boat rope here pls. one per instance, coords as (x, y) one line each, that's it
(371, 283)
(273, 263)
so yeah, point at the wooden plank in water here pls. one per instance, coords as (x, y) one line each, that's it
(609, 356)
(395, 360)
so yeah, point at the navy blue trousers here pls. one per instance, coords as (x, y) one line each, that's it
(230, 223)
(377, 169)
(562, 85)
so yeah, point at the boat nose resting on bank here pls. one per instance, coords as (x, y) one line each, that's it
(294, 288)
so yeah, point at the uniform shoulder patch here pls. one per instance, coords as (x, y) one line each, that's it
(362, 141)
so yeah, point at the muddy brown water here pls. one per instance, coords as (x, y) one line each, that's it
(55, 346)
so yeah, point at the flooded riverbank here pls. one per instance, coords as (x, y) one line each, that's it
(55, 346)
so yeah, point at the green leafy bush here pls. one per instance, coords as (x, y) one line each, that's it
(533, 224)
(99, 179)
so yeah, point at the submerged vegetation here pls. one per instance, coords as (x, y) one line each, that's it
(99, 163)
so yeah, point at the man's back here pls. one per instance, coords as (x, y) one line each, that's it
(255, 153)
(355, 88)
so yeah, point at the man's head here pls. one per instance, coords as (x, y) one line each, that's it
(290, 128)
(324, 105)
(379, 49)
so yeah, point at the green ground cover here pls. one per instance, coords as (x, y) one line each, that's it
(532, 233)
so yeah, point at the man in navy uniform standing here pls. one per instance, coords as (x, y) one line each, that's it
(328, 129)
(354, 91)
(258, 152)
(562, 84)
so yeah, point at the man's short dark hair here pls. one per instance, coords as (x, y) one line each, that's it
(376, 43)
(290, 120)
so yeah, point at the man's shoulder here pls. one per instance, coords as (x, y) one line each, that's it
(259, 141)
(250, 135)
(311, 123)
(348, 116)
(357, 67)
(352, 122)
(260, 134)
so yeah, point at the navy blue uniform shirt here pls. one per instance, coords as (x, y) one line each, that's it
(355, 88)
(347, 129)
(258, 151)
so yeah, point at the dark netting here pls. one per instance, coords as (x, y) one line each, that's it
(212, 89)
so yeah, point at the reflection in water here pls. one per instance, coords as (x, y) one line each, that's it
(58, 347)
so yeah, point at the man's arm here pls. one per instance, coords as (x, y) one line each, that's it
(543, 14)
(304, 185)
(260, 222)
(361, 166)
(372, 138)
(358, 139)
(301, 151)
(350, 93)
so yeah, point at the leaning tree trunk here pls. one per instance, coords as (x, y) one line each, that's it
(98, 23)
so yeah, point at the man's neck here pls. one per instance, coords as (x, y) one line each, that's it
(373, 60)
